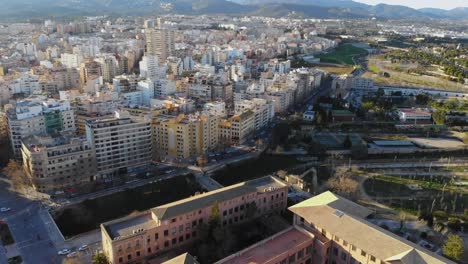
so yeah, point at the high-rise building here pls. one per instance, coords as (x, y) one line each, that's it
(122, 144)
(160, 42)
(58, 162)
(36, 116)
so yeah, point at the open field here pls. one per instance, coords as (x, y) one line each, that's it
(89, 214)
(399, 77)
(343, 54)
(336, 70)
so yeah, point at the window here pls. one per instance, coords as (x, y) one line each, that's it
(187, 236)
(353, 247)
(174, 241)
(344, 256)
(149, 250)
(308, 250)
(166, 243)
(174, 230)
(129, 256)
(194, 233)
(138, 253)
(292, 259)
(335, 251)
(166, 232)
(372, 258)
(173, 220)
(120, 260)
(200, 221)
(224, 213)
(236, 209)
(230, 211)
(156, 236)
(345, 243)
(363, 253)
(300, 254)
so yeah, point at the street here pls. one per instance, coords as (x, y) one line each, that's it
(28, 229)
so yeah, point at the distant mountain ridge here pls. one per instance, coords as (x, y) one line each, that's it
(274, 8)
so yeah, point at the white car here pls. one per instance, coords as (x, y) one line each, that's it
(83, 248)
(4, 209)
(65, 251)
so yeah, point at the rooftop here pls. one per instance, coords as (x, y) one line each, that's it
(270, 248)
(185, 258)
(346, 220)
(125, 226)
(207, 199)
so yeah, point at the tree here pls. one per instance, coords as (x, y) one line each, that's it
(454, 247)
(422, 99)
(343, 184)
(214, 217)
(100, 258)
(347, 144)
(15, 173)
(439, 117)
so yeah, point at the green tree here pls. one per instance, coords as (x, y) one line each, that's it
(454, 247)
(422, 99)
(214, 217)
(439, 117)
(100, 258)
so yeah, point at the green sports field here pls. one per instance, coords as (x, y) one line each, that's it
(343, 54)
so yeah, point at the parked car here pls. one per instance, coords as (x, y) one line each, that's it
(4, 209)
(64, 251)
(83, 248)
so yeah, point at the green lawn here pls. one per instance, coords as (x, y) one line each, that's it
(342, 54)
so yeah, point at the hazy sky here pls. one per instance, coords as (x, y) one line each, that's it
(444, 4)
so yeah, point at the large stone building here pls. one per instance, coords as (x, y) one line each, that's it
(59, 162)
(331, 229)
(123, 144)
(171, 226)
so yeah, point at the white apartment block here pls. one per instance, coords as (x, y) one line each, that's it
(122, 144)
(23, 83)
(38, 115)
(264, 110)
(215, 108)
(70, 60)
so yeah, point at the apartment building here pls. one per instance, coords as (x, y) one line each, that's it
(170, 226)
(264, 110)
(159, 42)
(238, 128)
(184, 136)
(122, 144)
(331, 229)
(38, 115)
(58, 162)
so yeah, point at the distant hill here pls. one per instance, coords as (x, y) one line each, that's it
(273, 8)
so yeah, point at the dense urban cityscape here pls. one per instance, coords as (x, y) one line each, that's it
(244, 131)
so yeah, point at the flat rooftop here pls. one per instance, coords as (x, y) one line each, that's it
(124, 227)
(270, 248)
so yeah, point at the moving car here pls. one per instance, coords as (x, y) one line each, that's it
(4, 209)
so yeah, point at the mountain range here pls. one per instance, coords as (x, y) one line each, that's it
(274, 8)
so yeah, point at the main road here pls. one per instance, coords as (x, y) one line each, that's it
(28, 229)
